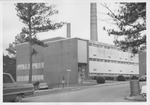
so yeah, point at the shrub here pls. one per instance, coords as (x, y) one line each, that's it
(100, 80)
(134, 78)
(121, 78)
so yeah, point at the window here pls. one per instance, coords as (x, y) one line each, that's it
(112, 61)
(112, 48)
(26, 78)
(130, 63)
(34, 66)
(94, 54)
(98, 60)
(94, 59)
(90, 59)
(18, 78)
(42, 64)
(25, 66)
(20, 67)
(94, 70)
(90, 44)
(28, 66)
(100, 46)
(38, 65)
(34, 77)
(105, 47)
(95, 45)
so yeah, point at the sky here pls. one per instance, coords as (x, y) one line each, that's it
(72, 11)
(76, 12)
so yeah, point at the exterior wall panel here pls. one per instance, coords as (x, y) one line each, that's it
(22, 73)
(102, 67)
(105, 58)
(59, 57)
(142, 63)
(82, 51)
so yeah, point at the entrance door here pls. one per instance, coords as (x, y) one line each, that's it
(81, 72)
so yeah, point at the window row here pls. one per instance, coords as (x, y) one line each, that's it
(112, 71)
(103, 46)
(34, 78)
(27, 66)
(114, 56)
(111, 61)
(110, 74)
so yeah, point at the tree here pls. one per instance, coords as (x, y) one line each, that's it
(40, 22)
(131, 22)
(20, 38)
(36, 17)
(9, 65)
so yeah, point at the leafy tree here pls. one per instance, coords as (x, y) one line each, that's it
(131, 23)
(20, 38)
(36, 17)
(9, 65)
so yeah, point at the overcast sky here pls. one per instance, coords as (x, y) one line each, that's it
(76, 12)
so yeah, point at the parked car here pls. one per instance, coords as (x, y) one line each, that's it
(142, 78)
(13, 91)
(43, 85)
(40, 85)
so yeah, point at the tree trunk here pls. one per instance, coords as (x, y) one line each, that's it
(30, 46)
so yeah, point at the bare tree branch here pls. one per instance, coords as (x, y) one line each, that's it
(114, 16)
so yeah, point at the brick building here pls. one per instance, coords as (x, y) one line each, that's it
(75, 60)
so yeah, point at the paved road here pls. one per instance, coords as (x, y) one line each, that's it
(114, 92)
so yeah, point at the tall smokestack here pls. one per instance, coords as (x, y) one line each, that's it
(93, 22)
(68, 30)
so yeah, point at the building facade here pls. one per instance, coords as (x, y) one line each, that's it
(108, 60)
(74, 60)
(64, 59)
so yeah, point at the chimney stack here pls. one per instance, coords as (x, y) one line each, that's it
(68, 30)
(93, 22)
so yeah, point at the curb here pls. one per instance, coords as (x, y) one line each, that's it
(73, 88)
(83, 86)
